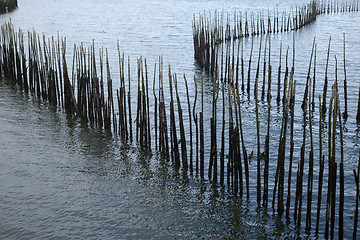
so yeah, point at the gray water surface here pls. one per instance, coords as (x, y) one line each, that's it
(60, 179)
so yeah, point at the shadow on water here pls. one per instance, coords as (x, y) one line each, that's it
(152, 197)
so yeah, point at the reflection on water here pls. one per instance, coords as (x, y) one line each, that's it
(69, 180)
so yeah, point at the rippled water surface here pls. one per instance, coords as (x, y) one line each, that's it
(60, 178)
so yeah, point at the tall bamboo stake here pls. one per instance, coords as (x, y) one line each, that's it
(311, 164)
(195, 117)
(264, 72)
(190, 125)
(182, 130)
(279, 74)
(341, 198)
(292, 106)
(326, 79)
(175, 155)
(222, 151)
(129, 102)
(155, 109)
(249, 70)
(321, 170)
(258, 185)
(269, 73)
(202, 130)
(345, 113)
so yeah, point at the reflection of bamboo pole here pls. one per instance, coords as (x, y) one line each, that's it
(357, 180)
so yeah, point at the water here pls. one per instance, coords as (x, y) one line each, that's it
(60, 178)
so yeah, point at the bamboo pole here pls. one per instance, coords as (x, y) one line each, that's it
(129, 102)
(175, 155)
(182, 130)
(258, 184)
(190, 126)
(279, 75)
(249, 70)
(195, 117)
(264, 72)
(321, 170)
(292, 108)
(342, 187)
(202, 130)
(222, 151)
(345, 113)
(326, 80)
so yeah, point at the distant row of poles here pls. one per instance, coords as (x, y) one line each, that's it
(211, 30)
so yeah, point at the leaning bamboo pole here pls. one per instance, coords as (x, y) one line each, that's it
(184, 160)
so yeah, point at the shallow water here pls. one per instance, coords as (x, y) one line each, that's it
(60, 178)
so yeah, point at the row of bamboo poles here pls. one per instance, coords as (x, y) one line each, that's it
(162, 123)
(210, 31)
(334, 6)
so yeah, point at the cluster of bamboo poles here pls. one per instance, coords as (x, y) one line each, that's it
(210, 31)
(237, 160)
(88, 94)
(45, 73)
